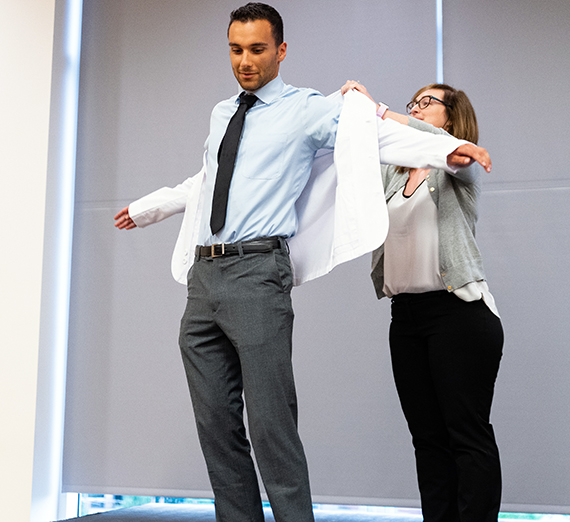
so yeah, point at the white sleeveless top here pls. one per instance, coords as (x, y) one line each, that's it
(411, 250)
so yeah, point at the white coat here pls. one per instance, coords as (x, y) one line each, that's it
(342, 210)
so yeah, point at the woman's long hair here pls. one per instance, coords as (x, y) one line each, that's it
(462, 122)
(461, 119)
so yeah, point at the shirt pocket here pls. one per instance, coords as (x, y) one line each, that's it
(262, 157)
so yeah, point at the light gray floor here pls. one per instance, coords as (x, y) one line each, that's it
(205, 513)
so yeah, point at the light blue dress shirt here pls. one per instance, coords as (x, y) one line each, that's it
(280, 137)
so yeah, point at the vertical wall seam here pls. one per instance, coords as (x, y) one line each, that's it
(439, 38)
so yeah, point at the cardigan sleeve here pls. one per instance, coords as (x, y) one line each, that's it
(406, 146)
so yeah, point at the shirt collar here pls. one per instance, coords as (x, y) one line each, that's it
(271, 90)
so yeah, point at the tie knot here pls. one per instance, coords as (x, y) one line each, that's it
(247, 99)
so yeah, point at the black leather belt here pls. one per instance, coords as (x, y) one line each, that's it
(255, 246)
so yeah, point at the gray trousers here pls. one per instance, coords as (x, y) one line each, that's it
(235, 338)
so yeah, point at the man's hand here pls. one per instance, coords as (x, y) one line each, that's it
(124, 221)
(466, 154)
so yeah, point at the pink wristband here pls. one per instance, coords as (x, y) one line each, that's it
(382, 110)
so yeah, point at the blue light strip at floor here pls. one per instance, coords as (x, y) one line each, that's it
(91, 504)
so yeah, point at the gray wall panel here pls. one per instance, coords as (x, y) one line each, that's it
(525, 239)
(512, 59)
(355, 434)
(151, 72)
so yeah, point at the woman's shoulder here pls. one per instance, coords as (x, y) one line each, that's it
(392, 177)
(426, 127)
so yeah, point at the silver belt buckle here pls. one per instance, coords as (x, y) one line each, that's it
(213, 250)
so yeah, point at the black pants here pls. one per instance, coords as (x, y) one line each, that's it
(445, 358)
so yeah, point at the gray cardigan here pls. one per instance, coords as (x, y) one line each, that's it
(455, 196)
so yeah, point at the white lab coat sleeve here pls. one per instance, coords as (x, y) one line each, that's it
(161, 203)
(408, 147)
(187, 197)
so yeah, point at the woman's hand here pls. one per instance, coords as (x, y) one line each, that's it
(357, 86)
(466, 154)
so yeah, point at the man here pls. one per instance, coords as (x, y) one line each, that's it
(236, 331)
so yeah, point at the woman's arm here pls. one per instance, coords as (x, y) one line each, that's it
(461, 159)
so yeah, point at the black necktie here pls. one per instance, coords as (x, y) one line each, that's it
(226, 161)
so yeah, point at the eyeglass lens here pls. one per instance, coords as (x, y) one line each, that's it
(422, 103)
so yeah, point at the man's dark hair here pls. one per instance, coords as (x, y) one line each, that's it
(257, 11)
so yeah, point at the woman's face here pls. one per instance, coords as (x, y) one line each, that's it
(435, 113)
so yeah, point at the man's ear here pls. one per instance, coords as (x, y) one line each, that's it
(282, 51)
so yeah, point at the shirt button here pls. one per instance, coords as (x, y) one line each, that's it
(431, 189)
(443, 275)
(449, 287)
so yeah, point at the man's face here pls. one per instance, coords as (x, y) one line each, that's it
(255, 56)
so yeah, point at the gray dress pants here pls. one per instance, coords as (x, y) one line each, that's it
(235, 339)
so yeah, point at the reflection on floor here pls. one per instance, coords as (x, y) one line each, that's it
(202, 510)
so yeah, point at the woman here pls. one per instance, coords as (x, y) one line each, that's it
(446, 337)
